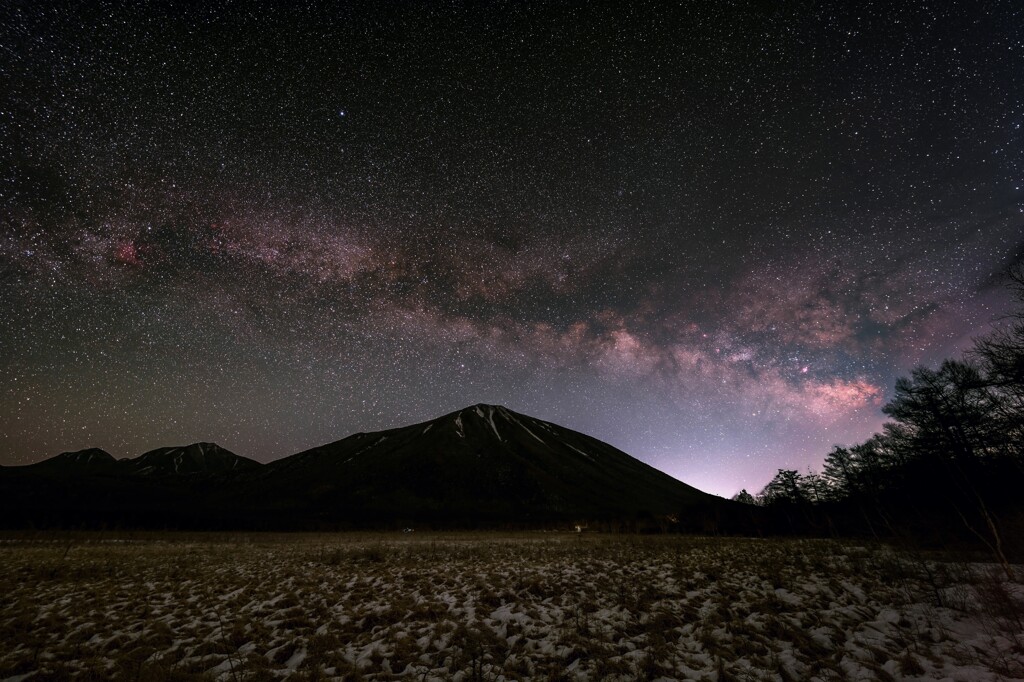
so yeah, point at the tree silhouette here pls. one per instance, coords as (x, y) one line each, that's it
(955, 433)
(743, 497)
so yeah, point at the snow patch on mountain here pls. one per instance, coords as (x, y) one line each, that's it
(579, 451)
(510, 416)
(490, 418)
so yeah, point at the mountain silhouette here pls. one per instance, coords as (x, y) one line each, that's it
(198, 458)
(481, 466)
(483, 462)
(80, 461)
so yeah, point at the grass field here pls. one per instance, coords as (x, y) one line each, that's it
(493, 607)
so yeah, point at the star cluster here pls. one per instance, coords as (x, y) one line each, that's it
(711, 235)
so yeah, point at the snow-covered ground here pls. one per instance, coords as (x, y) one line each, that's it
(500, 607)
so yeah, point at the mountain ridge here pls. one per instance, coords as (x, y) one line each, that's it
(485, 459)
(482, 465)
(201, 457)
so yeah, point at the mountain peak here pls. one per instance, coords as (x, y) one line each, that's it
(482, 414)
(89, 458)
(190, 459)
(483, 461)
(482, 409)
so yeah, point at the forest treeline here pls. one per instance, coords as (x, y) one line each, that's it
(950, 462)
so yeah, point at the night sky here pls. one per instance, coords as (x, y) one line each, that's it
(710, 235)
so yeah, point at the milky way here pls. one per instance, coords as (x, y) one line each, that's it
(711, 236)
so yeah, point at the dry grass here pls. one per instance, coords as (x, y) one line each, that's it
(487, 607)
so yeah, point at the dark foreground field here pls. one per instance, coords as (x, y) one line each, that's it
(498, 607)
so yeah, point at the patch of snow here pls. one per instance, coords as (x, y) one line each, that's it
(490, 418)
(367, 447)
(295, 660)
(580, 451)
(523, 426)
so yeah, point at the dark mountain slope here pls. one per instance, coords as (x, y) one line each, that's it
(482, 466)
(91, 460)
(179, 487)
(484, 463)
(198, 458)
